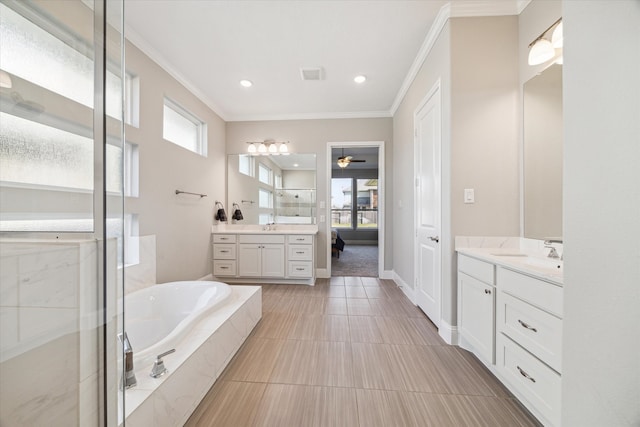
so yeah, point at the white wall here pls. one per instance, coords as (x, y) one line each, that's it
(181, 224)
(312, 136)
(601, 337)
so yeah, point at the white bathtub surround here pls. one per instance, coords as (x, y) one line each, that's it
(198, 361)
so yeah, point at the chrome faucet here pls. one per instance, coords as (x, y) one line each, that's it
(158, 369)
(128, 379)
(553, 253)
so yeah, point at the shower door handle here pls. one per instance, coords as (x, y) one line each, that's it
(434, 239)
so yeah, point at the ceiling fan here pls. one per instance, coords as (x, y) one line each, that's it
(344, 161)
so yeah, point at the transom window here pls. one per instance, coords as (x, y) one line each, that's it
(183, 128)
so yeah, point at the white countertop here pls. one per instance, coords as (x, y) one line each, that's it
(259, 229)
(528, 262)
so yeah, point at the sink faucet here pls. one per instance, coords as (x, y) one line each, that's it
(553, 253)
(129, 378)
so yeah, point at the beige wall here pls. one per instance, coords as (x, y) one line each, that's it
(475, 59)
(182, 224)
(312, 136)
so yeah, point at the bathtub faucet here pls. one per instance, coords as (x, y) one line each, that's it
(158, 366)
(129, 377)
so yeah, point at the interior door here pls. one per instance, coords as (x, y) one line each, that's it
(428, 201)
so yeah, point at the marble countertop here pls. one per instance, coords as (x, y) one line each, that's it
(521, 254)
(258, 229)
(526, 261)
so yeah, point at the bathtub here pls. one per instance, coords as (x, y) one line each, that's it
(158, 317)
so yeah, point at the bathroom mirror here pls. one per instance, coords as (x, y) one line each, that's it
(268, 189)
(542, 155)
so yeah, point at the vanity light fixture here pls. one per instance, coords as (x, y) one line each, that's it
(541, 49)
(268, 147)
(246, 83)
(360, 79)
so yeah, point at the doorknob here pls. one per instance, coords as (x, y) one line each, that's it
(434, 239)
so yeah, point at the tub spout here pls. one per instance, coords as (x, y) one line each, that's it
(128, 379)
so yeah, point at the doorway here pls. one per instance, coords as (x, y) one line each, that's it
(355, 209)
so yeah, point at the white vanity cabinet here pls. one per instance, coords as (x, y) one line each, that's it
(529, 341)
(476, 307)
(261, 256)
(270, 256)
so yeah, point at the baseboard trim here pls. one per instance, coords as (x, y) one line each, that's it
(322, 273)
(448, 333)
(408, 290)
(387, 275)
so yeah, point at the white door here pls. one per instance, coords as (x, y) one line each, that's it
(249, 260)
(272, 260)
(428, 200)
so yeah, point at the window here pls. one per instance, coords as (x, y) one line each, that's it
(265, 174)
(278, 181)
(65, 65)
(354, 210)
(184, 129)
(265, 199)
(246, 164)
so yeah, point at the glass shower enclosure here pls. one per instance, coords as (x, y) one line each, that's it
(62, 220)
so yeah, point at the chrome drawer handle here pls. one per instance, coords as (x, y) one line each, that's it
(224, 268)
(300, 240)
(299, 269)
(526, 325)
(524, 374)
(301, 253)
(487, 291)
(224, 238)
(224, 252)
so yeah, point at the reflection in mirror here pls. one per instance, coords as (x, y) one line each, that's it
(542, 154)
(273, 189)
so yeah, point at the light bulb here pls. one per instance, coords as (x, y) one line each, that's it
(252, 148)
(273, 148)
(262, 149)
(283, 148)
(541, 51)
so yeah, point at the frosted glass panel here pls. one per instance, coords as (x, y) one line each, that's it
(180, 130)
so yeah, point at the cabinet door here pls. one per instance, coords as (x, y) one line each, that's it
(249, 260)
(272, 260)
(477, 318)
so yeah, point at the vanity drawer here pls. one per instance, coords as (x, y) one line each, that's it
(300, 252)
(262, 238)
(543, 295)
(224, 238)
(475, 268)
(298, 239)
(224, 268)
(224, 251)
(538, 384)
(300, 269)
(537, 331)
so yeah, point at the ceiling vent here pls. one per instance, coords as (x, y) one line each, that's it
(311, 73)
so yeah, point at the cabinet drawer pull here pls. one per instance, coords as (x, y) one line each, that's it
(299, 269)
(300, 239)
(224, 238)
(300, 252)
(224, 252)
(524, 374)
(527, 326)
(487, 291)
(224, 268)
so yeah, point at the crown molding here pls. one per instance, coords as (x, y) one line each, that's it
(138, 41)
(454, 10)
(310, 116)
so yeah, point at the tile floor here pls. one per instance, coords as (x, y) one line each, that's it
(352, 351)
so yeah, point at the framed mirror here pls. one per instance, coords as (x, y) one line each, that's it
(542, 155)
(272, 189)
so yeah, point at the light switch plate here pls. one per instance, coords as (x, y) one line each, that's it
(469, 195)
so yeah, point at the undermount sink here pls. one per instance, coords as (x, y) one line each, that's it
(546, 263)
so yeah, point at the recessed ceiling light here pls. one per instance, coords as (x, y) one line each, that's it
(295, 165)
(246, 83)
(359, 79)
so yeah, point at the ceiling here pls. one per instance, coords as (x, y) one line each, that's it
(210, 46)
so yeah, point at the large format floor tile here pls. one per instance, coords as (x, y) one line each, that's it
(353, 351)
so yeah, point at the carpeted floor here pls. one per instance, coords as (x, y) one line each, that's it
(356, 260)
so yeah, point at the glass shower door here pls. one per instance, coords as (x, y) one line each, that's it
(61, 212)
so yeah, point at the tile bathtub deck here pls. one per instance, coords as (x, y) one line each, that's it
(352, 351)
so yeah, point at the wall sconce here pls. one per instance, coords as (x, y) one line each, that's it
(268, 147)
(541, 49)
